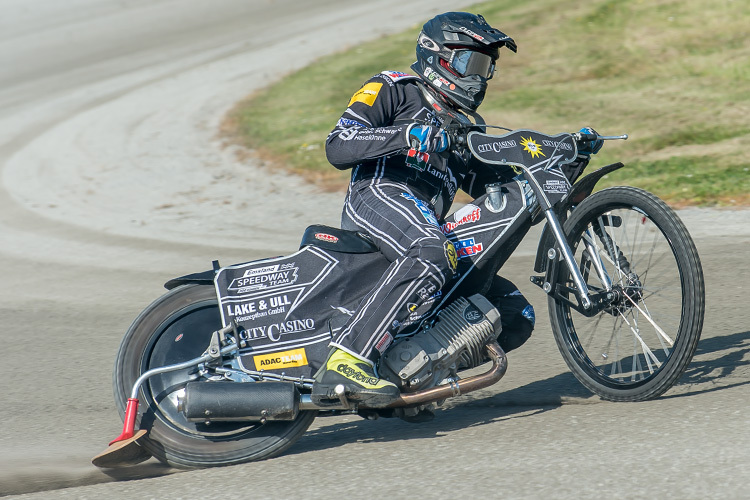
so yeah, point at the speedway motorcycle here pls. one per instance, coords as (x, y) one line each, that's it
(219, 370)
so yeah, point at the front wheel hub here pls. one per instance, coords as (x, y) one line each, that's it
(631, 288)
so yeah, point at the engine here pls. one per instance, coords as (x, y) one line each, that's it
(456, 340)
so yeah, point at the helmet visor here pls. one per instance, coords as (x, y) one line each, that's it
(470, 62)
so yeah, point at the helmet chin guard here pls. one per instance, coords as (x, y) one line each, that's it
(456, 54)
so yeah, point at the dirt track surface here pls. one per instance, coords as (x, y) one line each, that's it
(113, 181)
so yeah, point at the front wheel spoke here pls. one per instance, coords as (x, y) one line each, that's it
(636, 363)
(653, 323)
(615, 366)
(661, 280)
(638, 366)
(648, 354)
(644, 274)
(661, 340)
(640, 251)
(590, 338)
(668, 294)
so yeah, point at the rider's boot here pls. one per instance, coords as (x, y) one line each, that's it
(357, 377)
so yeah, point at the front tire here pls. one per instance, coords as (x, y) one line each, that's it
(175, 328)
(639, 346)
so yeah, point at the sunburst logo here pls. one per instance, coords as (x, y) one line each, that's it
(532, 147)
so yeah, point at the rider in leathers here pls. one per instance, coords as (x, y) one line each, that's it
(403, 182)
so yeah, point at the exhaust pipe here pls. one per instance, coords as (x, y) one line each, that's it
(232, 402)
(464, 386)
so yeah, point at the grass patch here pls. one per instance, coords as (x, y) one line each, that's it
(673, 74)
(689, 180)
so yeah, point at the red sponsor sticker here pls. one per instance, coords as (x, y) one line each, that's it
(467, 214)
(326, 237)
(384, 342)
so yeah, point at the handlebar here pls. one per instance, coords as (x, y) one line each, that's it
(457, 133)
(458, 136)
(578, 136)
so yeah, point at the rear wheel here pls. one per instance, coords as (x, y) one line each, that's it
(630, 243)
(175, 328)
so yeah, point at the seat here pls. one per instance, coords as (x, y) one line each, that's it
(337, 240)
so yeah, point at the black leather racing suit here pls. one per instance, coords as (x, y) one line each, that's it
(399, 196)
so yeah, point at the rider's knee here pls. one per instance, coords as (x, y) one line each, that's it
(440, 256)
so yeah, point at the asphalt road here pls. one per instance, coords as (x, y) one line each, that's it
(114, 179)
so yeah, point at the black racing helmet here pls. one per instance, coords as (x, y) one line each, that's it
(456, 54)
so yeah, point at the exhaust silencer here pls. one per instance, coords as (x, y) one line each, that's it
(239, 401)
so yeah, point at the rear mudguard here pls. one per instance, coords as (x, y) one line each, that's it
(580, 191)
(202, 278)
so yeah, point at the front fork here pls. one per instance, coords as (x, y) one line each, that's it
(587, 303)
(582, 290)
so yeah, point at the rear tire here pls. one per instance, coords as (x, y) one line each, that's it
(175, 328)
(639, 347)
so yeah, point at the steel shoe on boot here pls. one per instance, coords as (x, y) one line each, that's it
(357, 377)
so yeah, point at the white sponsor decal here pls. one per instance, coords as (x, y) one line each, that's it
(370, 137)
(275, 331)
(496, 146)
(265, 278)
(255, 309)
(426, 291)
(558, 145)
(555, 186)
(469, 213)
(348, 134)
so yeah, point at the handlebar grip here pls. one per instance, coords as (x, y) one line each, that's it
(587, 137)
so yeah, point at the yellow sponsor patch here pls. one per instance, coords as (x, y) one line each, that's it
(531, 147)
(284, 359)
(366, 94)
(451, 255)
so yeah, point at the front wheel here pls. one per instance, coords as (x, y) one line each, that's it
(630, 243)
(176, 328)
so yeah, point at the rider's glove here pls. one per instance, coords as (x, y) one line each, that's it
(588, 148)
(427, 139)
